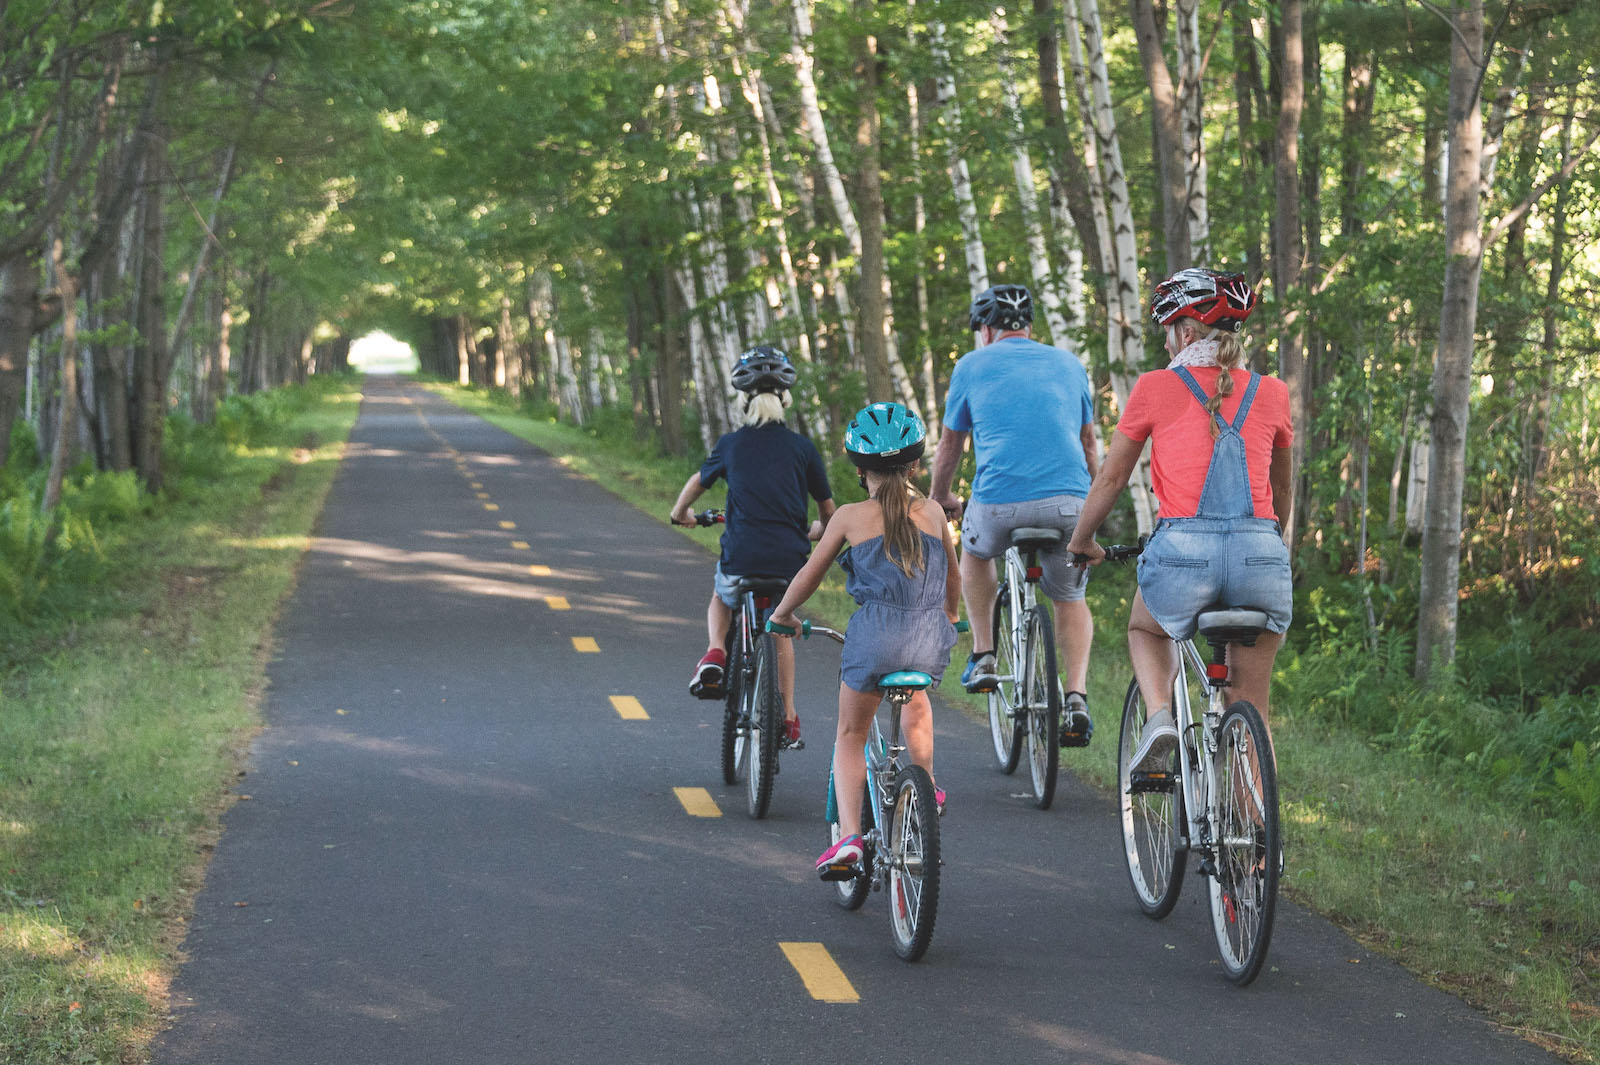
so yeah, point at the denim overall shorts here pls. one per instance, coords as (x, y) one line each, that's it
(1224, 556)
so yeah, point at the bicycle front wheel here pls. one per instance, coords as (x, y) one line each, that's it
(1244, 893)
(1152, 819)
(1042, 696)
(912, 854)
(766, 728)
(733, 731)
(1005, 722)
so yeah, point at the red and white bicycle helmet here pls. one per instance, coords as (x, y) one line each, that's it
(1208, 296)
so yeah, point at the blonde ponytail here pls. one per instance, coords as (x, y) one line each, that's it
(763, 407)
(1230, 356)
(902, 539)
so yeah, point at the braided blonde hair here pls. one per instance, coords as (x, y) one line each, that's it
(1230, 356)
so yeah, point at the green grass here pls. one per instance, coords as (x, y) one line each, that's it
(122, 727)
(1478, 897)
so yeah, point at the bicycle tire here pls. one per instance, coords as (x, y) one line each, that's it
(766, 729)
(1043, 723)
(1244, 891)
(850, 894)
(1004, 727)
(732, 683)
(911, 850)
(1153, 823)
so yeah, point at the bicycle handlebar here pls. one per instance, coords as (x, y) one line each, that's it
(806, 629)
(1116, 552)
(704, 519)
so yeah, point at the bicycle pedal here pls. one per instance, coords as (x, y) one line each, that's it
(794, 745)
(1076, 739)
(984, 689)
(1147, 783)
(835, 874)
(708, 691)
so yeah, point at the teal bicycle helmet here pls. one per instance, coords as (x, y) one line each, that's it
(885, 436)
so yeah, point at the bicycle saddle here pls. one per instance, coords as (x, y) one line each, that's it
(905, 678)
(1030, 537)
(1232, 625)
(761, 585)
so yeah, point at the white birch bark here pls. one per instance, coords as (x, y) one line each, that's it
(805, 74)
(684, 277)
(602, 375)
(1125, 333)
(960, 177)
(1051, 299)
(1190, 104)
(919, 221)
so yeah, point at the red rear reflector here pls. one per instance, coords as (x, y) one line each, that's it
(763, 602)
(1217, 671)
(1035, 572)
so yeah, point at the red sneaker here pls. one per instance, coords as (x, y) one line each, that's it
(707, 681)
(791, 734)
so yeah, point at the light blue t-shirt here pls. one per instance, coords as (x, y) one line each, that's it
(1025, 405)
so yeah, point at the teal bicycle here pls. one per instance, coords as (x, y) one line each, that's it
(899, 821)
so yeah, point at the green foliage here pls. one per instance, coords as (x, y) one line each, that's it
(24, 555)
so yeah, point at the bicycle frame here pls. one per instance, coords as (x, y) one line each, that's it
(1016, 579)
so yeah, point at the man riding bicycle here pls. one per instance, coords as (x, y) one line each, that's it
(1029, 411)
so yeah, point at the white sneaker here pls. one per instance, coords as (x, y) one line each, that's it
(1159, 741)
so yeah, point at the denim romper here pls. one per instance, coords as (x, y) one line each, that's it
(1224, 556)
(900, 623)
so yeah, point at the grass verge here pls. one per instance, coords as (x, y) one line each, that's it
(1479, 898)
(120, 730)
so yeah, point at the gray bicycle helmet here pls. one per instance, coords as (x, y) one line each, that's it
(764, 369)
(1005, 307)
(885, 436)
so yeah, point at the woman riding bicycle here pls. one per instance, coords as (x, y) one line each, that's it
(901, 568)
(771, 470)
(1219, 460)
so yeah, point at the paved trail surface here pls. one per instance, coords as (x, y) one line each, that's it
(458, 850)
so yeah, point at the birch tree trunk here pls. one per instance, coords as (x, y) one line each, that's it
(919, 222)
(1125, 334)
(1191, 101)
(960, 178)
(1452, 368)
(67, 379)
(1051, 298)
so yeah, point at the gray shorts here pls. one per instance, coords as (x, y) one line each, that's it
(986, 533)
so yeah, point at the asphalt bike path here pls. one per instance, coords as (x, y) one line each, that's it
(465, 841)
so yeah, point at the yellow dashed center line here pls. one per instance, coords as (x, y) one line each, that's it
(557, 602)
(585, 645)
(697, 802)
(482, 495)
(519, 545)
(628, 708)
(508, 525)
(537, 570)
(821, 974)
(475, 484)
(491, 506)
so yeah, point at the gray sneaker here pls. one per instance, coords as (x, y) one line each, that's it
(1160, 740)
(979, 676)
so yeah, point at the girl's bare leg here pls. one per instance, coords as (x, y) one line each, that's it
(849, 756)
(916, 725)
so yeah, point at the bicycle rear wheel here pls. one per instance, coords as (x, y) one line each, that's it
(1244, 893)
(912, 852)
(1042, 697)
(1005, 722)
(1152, 819)
(733, 733)
(766, 728)
(850, 894)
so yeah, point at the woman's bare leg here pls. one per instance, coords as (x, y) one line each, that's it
(1155, 658)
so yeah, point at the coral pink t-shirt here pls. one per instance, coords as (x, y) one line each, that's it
(1161, 406)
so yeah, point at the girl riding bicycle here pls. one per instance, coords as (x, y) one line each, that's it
(1219, 460)
(901, 569)
(771, 470)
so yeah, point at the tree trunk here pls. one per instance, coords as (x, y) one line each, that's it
(1070, 195)
(1051, 298)
(960, 177)
(1169, 137)
(919, 224)
(152, 353)
(1191, 107)
(508, 356)
(669, 366)
(875, 314)
(1287, 253)
(19, 298)
(1452, 370)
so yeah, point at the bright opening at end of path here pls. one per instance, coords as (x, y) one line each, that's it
(381, 353)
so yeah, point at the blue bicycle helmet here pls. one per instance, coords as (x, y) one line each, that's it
(885, 436)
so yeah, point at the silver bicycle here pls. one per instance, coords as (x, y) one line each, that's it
(1025, 706)
(899, 822)
(1217, 799)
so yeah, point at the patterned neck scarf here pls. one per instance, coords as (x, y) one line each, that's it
(1200, 353)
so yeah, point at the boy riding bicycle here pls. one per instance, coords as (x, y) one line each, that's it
(771, 472)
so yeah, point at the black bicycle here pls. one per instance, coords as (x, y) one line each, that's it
(753, 718)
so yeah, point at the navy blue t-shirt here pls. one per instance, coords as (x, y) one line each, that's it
(770, 471)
